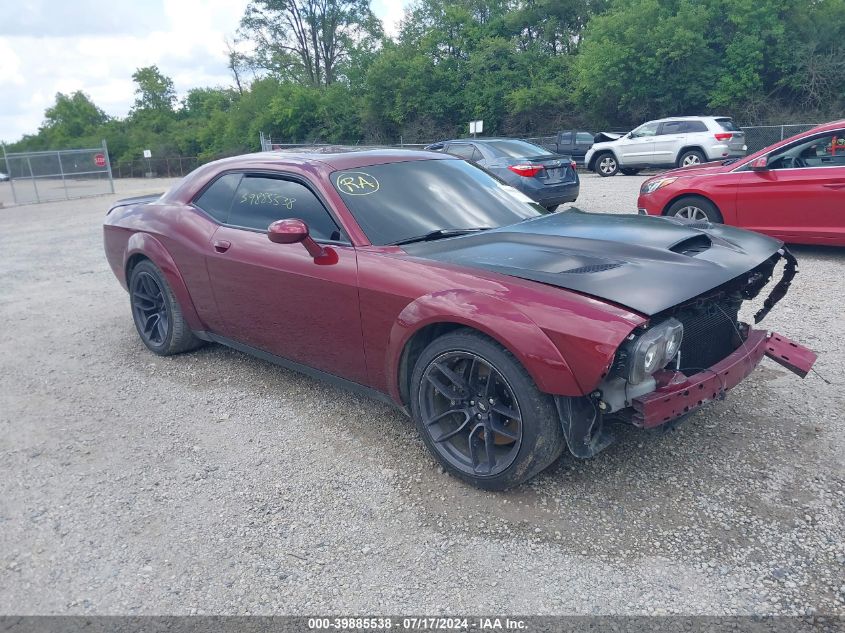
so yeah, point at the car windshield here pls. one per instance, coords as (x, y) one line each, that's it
(396, 202)
(517, 149)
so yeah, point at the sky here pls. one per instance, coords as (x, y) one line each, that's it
(50, 46)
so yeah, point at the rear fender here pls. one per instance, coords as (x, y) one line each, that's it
(494, 317)
(148, 246)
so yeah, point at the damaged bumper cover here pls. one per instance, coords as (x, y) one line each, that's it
(678, 394)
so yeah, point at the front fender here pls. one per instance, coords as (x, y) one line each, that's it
(148, 246)
(494, 317)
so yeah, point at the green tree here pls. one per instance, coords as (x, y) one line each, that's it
(308, 41)
(154, 90)
(72, 117)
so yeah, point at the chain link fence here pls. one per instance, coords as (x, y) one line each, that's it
(759, 136)
(167, 167)
(58, 175)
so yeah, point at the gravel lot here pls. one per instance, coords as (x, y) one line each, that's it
(216, 483)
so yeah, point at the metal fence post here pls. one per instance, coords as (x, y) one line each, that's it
(62, 174)
(11, 177)
(108, 164)
(32, 177)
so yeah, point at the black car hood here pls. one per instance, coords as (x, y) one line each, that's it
(645, 263)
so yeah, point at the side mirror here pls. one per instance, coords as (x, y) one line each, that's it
(760, 164)
(287, 231)
(292, 231)
(630, 135)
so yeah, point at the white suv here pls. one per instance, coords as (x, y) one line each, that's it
(672, 142)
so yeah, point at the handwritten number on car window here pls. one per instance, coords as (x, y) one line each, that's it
(268, 198)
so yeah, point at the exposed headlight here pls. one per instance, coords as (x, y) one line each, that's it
(653, 349)
(653, 185)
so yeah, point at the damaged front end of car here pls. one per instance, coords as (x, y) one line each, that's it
(684, 357)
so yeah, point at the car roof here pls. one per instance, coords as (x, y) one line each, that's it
(336, 157)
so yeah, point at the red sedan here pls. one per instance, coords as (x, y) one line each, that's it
(505, 331)
(793, 190)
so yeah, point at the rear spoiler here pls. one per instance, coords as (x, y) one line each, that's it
(125, 202)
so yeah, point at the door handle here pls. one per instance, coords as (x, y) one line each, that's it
(221, 246)
(835, 185)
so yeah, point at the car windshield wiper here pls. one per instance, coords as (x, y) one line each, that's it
(438, 234)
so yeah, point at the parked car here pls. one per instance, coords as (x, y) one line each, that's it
(673, 142)
(793, 190)
(4, 177)
(506, 332)
(574, 143)
(546, 178)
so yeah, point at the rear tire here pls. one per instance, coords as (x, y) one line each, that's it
(695, 209)
(606, 164)
(157, 314)
(480, 413)
(691, 158)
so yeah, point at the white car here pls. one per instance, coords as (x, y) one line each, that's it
(672, 142)
(3, 177)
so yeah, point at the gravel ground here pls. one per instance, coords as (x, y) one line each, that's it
(215, 483)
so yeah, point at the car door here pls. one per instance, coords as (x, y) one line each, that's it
(669, 139)
(583, 143)
(275, 297)
(801, 194)
(637, 147)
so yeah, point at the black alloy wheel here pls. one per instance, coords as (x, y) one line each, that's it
(471, 414)
(156, 312)
(480, 413)
(150, 309)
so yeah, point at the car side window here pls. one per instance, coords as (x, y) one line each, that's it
(694, 126)
(476, 155)
(261, 200)
(822, 151)
(584, 138)
(565, 138)
(672, 127)
(217, 198)
(461, 150)
(647, 129)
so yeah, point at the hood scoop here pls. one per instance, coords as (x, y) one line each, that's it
(692, 246)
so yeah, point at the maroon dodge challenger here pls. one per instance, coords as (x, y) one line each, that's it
(505, 331)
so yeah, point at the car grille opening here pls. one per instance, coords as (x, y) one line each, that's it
(710, 334)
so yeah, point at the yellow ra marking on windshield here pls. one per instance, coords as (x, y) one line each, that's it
(356, 183)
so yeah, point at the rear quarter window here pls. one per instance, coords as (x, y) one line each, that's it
(728, 125)
(216, 200)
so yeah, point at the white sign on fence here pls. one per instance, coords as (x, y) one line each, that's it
(476, 127)
(148, 153)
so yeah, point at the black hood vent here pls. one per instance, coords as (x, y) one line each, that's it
(692, 246)
(592, 268)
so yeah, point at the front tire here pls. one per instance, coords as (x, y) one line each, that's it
(480, 414)
(691, 158)
(695, 209)
(606, 165)
(157, 315)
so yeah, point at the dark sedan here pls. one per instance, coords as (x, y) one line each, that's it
(547, 178)
(506, 332)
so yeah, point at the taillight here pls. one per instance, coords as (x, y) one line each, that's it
(723, 136)
(574, 165)
(526, 170)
